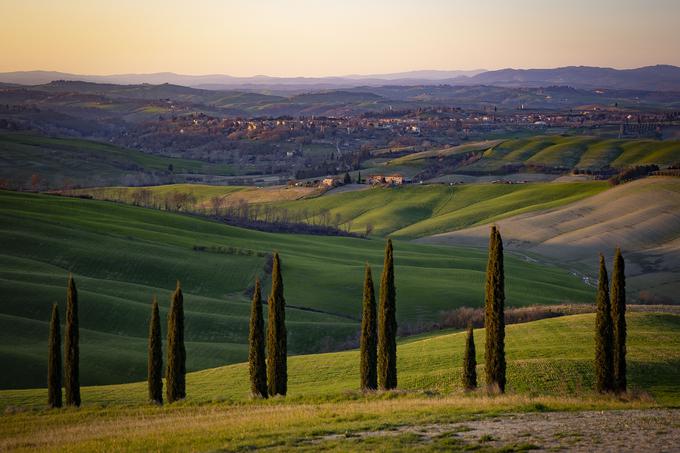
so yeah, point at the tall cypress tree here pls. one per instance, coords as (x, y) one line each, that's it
(604, 365)
(494, 313)
(155, 356)
(54, 361)
(369, 372)
(176, 368)
(387, 324)
(256, 358)
(71, 346)
(470, 361)
(277, 368)
(618, 301)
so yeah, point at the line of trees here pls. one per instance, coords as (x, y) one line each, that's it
(378, 348)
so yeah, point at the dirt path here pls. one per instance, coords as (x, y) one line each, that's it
(655, 430)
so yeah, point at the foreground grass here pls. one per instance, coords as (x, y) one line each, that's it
(276, 424)
(549, 369)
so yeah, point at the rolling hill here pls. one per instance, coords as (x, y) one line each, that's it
(547, 153)
(122, 255)
(61, 161)
(415, 211)
(642, 217)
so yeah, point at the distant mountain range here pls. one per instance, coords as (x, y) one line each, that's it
(649, 78)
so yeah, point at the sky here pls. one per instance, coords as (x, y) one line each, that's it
(338, 37)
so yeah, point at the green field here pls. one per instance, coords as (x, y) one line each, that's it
(122, 255)
(61, 161)
(415, 211)
(550, 367)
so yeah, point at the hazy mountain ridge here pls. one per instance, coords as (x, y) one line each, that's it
(649, 78)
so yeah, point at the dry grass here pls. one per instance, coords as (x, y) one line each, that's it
(262, 424)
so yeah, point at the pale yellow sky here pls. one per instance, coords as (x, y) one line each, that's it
(320, 37)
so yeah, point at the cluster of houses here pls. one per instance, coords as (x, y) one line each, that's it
(395, 179)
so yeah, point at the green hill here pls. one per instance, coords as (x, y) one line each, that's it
(580, 152)
(61, 161)
(547, 357)
(535, 153)
(122, 255)
(415, 211)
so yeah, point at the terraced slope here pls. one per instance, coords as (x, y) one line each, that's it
(580, 152)
(642, 217)
(547, 357)
(122, 255)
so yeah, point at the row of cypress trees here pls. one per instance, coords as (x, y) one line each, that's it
(269, 374)
(69, 375)
(610, 328)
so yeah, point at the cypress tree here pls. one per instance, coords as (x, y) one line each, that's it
(387, 324)
(369, 376)
(256, 357)
(54, 361)
(604, 367)
(71, 346)
(494, 316)
(277, 371)
(155, 357)
(470, 361)
(176, 368)
(618, 302)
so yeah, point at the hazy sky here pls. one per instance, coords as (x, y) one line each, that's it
(319, 37)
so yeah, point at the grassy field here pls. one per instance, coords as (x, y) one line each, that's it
(415, 211)
(122, 255)
(550, 367)
(60, 161)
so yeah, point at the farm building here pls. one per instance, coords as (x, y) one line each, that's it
(396, 179)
